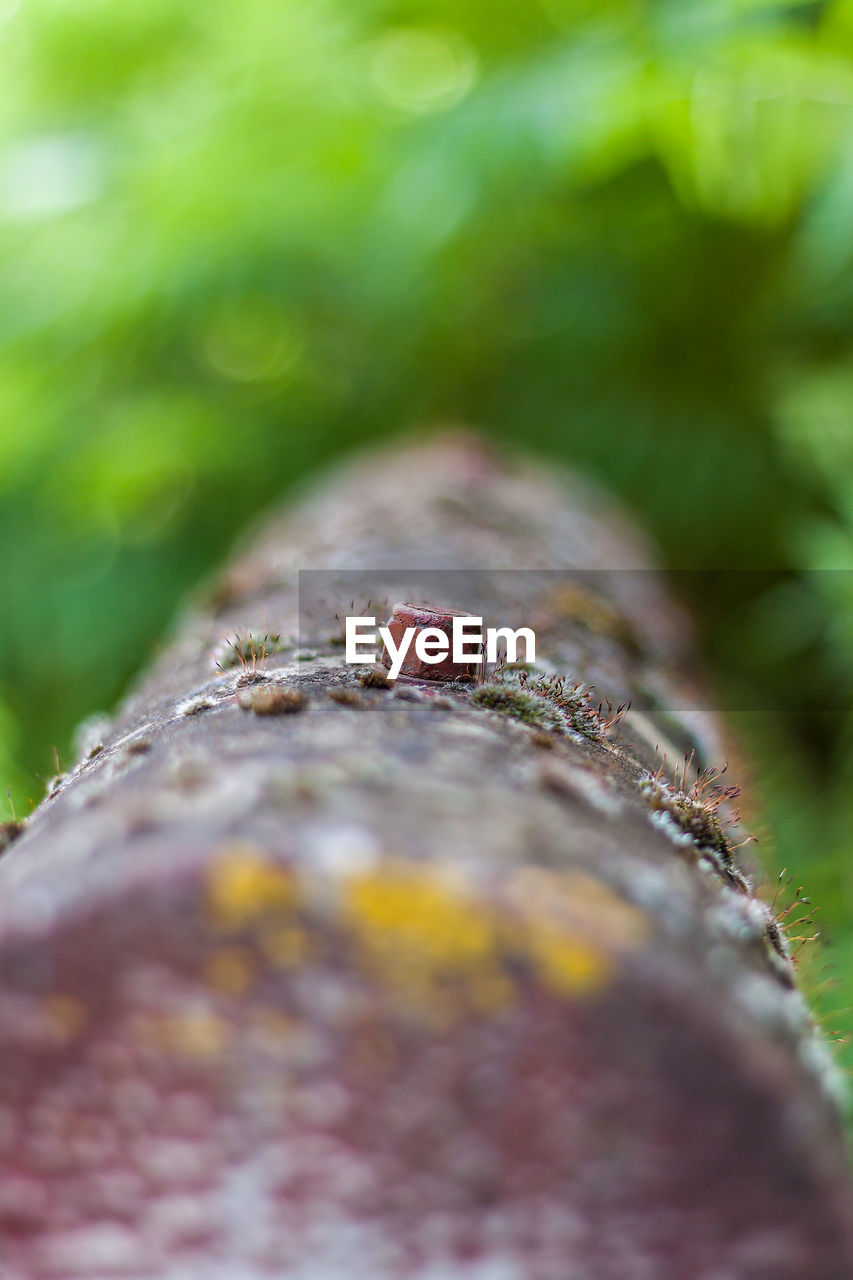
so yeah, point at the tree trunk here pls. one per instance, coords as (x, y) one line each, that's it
(312, 978)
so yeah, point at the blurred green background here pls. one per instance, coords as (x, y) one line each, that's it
(239, 239)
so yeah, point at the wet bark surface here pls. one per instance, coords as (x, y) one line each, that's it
(307, 977)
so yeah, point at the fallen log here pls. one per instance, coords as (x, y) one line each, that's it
(311, 974)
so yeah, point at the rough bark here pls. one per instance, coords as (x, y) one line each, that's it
(392, 983)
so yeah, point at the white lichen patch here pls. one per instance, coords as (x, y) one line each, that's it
(738, 916)
(194, 705)
(340, 848)
(815, 1056)
(782, 1010)
(666, 823)
(660, 891)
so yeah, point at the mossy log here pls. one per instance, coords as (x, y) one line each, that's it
(309, 976)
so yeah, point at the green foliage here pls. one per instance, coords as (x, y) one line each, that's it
(236, 241)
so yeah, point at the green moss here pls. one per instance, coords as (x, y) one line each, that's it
(522, 705)
(573, 702)
(691, 817)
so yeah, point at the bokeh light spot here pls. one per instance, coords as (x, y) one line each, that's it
(424, 69)
(250, 339)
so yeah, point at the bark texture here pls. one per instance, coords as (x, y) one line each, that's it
(349, 981)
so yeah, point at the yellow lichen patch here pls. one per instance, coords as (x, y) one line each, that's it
(569, 965)
(573, 926)
(578, 903)
(410, 910)
(446, 948)
(230, 971)
(428, 945)
(430, 938)
(243, 884)
(65, 1015)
